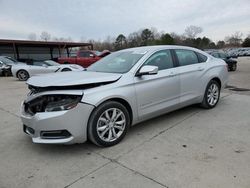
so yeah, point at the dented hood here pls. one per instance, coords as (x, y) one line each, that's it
(70, 79)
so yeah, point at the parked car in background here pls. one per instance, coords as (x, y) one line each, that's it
(25, 71)
(5, 65)
(84, 58)
(232, 64)
(247, 53)
(2, 66)
(120, 90)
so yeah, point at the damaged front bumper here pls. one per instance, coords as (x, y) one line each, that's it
(57, 127)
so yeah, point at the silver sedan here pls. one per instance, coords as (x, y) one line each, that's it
(118, 91)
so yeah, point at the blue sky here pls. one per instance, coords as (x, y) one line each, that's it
(97, 19)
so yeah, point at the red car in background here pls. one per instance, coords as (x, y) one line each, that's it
(84, 57)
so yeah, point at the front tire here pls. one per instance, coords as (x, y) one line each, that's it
(108, 124)
(23, 75)
(212, 95)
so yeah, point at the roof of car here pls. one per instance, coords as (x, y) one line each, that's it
(146, 49)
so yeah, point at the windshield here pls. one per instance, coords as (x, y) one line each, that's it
(8, 60)
(51, 63)
(117, 62)
(97, 53)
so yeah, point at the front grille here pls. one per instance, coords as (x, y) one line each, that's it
(57, 134)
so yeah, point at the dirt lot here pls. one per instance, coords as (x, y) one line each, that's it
(190, 147)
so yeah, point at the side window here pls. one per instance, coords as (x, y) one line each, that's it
(85, 54)
(222, 55)
(37, 63)
(162, 59)
(186, 57)
(202, 58)
(216, 55)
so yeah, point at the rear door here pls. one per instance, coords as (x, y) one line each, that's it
(156, 93)
(191, 69)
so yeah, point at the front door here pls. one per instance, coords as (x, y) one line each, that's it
(156, 93)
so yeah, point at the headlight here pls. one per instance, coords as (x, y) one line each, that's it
(59, 103)
(51, 103)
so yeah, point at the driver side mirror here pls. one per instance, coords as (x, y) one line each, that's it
(44, 65)
(91, 55)
(147, 70)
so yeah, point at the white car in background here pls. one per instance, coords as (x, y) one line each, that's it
(25, 71)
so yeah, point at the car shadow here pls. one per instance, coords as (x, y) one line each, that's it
(142, 130)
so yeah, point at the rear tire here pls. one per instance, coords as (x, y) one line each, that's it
(108, 124)
(211, 95)
(234, 67)
(23, 75)
(66, 69)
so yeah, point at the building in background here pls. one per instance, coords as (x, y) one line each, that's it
(25, 50)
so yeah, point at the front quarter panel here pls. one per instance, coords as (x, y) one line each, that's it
(122, 89)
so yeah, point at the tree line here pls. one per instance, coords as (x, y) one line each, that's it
(150, 36)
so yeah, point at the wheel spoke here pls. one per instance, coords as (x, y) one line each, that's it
(114, 133)
(103, 120)
(212, 100)
(114, 114)
(120, 122)
(110, 135)
(104, 132)
(118, 127)
(107, 115)
(117, 116)
(102, 128)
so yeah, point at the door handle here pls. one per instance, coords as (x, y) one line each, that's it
(200, 69)
(172, 74)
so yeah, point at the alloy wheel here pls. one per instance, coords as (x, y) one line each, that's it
(23, 75)
(111, 124)
(213, 94)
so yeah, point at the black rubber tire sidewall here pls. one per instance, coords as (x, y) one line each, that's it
(92, 124)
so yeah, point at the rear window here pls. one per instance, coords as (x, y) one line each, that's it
(202, 58)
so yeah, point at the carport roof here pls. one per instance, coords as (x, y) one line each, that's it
(29, 43)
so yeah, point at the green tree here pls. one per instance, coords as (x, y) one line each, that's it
(212, 45)
(120, 42)
(220, 44)
(147, 37)
(246, 42)
(166, 39)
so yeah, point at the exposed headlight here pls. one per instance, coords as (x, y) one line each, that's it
(51, 103)
(59, 103)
